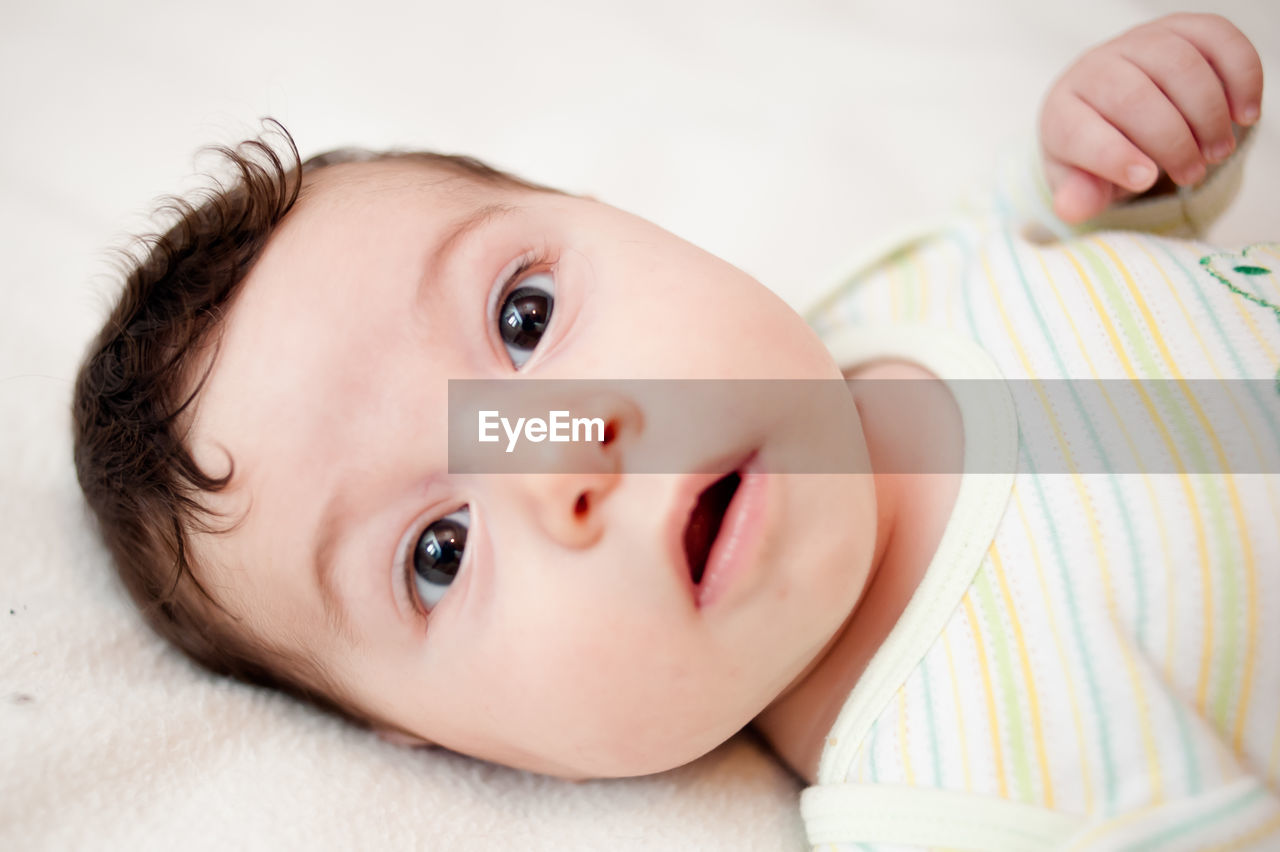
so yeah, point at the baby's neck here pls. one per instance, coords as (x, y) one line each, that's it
(912, 512)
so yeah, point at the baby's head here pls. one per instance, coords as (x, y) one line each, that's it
(261, 430)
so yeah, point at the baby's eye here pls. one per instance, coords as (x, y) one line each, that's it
(438, 556)
(524, 316)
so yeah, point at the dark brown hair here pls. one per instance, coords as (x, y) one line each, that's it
(137, 382)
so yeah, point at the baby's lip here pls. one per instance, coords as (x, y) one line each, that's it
(688, 487)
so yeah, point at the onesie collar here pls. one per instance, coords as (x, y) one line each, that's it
(991, 447)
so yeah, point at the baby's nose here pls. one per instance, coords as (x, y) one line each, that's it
(568, 481)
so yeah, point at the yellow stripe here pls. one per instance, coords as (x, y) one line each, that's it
(953, 295)
(868, 744)
(1032, 694)
(1118, 346)
(964, 737)
(1086, 840)
(923, 277)
(1083, 350)
(895, 304)
(1233, 494)
(992, 718)
(1140, 699)
(1085, 770)
(1252, 596)
(1249, 839)
(1245, 310)
(902, 735)
(1026, 363)
(1193, 507)
(1273, 768)
(906, 281)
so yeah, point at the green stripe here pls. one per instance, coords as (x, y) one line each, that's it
(1151, 364)
(1192, 771)
(871, 751)
(918, 275)
(907, 288)
(1100, 713)
(1180, 830)
(1209, 492)
(1102, 276)
(933, 725)
(1190, 762)
(1015, 722)
(966, 263)
(1196, 285)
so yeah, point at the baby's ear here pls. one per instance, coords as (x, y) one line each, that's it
(396, 737)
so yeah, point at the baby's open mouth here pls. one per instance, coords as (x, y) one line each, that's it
(705, 520)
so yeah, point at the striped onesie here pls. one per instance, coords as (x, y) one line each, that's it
(1092, 659)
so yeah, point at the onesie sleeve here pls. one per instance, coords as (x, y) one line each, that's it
(1022, 194)
(1241, 815)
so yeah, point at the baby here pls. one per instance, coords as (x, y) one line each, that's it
(979, 656)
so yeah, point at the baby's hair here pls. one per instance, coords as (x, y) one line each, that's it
(134, 389)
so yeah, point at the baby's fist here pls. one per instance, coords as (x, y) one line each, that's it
(1158, 98)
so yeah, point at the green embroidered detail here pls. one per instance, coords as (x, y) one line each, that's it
(1244, 269)
(1257, 300)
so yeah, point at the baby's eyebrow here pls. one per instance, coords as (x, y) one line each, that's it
(323, 558)
(329, 531)
(458, 231)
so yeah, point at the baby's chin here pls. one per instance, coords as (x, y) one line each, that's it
(627, 757)
(604, 768)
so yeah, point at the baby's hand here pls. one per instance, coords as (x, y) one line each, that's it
(1158, 98)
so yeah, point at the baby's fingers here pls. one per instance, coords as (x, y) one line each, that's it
(1079, 195)
(1232, 56)
(1122, 94)
(1074, 134)
(1190, 83)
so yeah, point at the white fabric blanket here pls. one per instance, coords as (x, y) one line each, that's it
(779, 135)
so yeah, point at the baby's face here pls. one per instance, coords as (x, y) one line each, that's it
(564, 634)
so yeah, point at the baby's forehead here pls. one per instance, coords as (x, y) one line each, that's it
(296, 312)
(368, 181)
